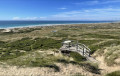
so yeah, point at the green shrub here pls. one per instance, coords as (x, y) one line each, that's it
(91, 67)
(27, 48)
(77, 74)
(59, 35)
(2, 43)
(116, 73)
(46, 43)
(9, 54)
(29, 30)
(77, 57)
(102, 45)
(23, 44)
(63, 61)
(45, 64)
(28, 44)
(90, 35)
(89, 42)
(112, 54)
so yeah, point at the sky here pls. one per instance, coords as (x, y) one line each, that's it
(59, 9)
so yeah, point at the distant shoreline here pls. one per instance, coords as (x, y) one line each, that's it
(43, 25)
(50, 25)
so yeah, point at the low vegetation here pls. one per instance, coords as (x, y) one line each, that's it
(91, 67)
(16, 48)
(35, 59)
(89, 42)
(116, 73)
(18, 31)
(77, 74)
(112, 55)
(77, 57)
(28, 47)
(103, 36)
(103, 45)
(57, 34)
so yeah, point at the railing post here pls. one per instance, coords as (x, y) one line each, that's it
(89, 53)
(83, 51)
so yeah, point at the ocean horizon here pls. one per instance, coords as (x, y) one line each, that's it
(18, 24)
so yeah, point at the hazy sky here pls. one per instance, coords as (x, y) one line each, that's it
(59, 9)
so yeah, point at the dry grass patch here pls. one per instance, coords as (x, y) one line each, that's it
(112, 55)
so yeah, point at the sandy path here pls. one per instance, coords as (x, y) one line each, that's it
(66, 70)
(106, 69)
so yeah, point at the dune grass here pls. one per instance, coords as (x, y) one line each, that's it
(35, 59)
(21, 48)
(111, 55)
(11, 50)
(116, 73)
(103, 45)
(77, 57)
(102, 36)
(77, 74)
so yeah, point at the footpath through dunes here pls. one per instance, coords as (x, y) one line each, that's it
(109, 60)
(105, 69)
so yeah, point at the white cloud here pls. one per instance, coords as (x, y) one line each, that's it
(94, 2)
(28, 18)
(110, 1)
(84, 14)
(90, 14)
(87, 2)
(16, 18)
(42, 17)
(62, 8)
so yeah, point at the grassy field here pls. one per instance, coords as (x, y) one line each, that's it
(36, 47)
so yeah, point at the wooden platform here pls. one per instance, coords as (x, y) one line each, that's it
(78, 47)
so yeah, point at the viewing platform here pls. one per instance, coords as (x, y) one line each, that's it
(72, 46)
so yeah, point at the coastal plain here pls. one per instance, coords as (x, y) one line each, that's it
(34, 51)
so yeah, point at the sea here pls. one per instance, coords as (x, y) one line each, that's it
(18, 24)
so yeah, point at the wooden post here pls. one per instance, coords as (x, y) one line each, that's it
(83, 51)
(89, 53)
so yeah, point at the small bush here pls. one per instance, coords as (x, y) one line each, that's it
(46, 43)
(116, 73)
(102, 45)
(91, 67)
(23, 44)
(53, 66)
(77, 74)
(45, 63)
(28, 30)
(90, 35)
(63, 61)
(10, 54)
(77, 57)
(27, 48)
(112, 54)
(2, 43)
(89, 42)
(28, 44)
(59, 35)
